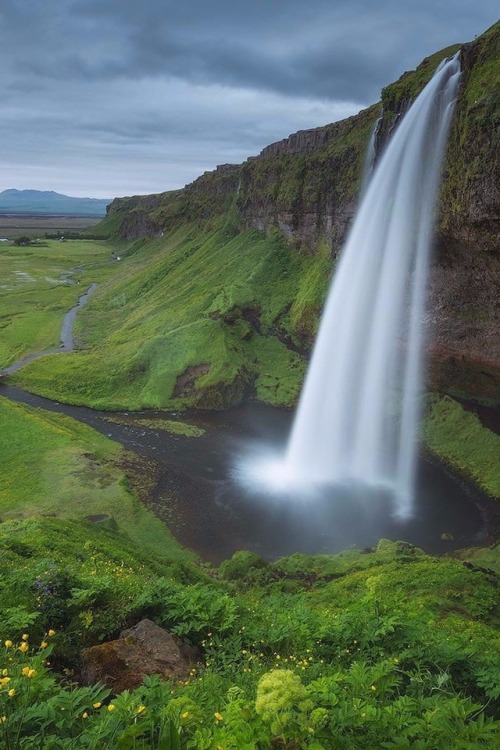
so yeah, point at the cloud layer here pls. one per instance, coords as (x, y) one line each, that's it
(113, 97)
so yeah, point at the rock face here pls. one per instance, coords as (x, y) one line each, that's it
(307, 186)
(142, 650)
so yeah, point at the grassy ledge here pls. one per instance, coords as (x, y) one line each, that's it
(55, 466)
(458, 438)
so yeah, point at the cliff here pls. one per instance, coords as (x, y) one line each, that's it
(307, 185)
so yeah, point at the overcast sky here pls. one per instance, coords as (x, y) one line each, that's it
(118, 97)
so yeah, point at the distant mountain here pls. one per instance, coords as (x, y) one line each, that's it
(49, 202)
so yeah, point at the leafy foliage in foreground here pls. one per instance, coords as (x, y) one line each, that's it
(388, 649)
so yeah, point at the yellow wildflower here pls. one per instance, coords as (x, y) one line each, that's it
(25, 636)
(218, 716)
(23, 647)
(111, 707)
(51, 632)
(97, 705)
(185, 715)
(32, 673)
(3, 719)
(4, 681)
(373, 687)
(25, 671)
(141, 709)
(8, 644)
(11, 693)
(5, 672)
(85, 715)
(43, 644)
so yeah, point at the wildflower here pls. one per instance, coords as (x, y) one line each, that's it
(97, 705)
(23, 647)
(32, 673)
(243, 651)
(11, 693)
(141, 709)
(396, 661)
(3, 719)
(8, 644)
(85, 715)
(185, 715)
(373, 688)
(43, 644)
(51, 632)
(5, 672)
(218, 716)
(4, 681)
(25, 671)
(111, 707)
(25, 636)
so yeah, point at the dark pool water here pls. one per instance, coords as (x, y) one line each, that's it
(213, 514)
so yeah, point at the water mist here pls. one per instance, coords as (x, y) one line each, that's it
(357, 420)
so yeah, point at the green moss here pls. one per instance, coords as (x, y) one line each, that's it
(410, 84)
(458, 437)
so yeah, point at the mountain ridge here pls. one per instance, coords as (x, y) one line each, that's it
(32, 201)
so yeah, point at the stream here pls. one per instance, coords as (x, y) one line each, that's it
(208, 510)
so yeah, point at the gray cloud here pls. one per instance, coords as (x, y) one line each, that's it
(161, 91)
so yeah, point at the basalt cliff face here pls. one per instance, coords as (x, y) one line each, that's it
(307, 187)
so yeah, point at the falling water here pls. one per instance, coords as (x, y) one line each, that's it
(358, 414)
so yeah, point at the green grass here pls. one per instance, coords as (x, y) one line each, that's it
(36, 293)
(54, 465)
(458, 437)
(219, 300)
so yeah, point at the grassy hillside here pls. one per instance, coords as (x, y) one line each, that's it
(193, 318)
(55, 466)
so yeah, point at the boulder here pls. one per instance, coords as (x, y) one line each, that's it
(142, 650)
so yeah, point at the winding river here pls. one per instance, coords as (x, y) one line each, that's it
(196, 494)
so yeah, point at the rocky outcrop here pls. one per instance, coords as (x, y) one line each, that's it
(142, 650)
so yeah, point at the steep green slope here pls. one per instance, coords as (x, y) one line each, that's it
(194, 318)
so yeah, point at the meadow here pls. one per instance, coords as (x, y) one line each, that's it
(39, 284)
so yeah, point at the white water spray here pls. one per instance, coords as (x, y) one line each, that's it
(355, 430)
(358, 414)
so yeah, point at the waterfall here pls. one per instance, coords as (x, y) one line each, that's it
(358, 414)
